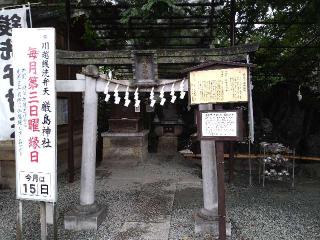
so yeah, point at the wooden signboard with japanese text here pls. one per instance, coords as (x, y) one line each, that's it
(218, 85)
(220, 125)
(34, 71)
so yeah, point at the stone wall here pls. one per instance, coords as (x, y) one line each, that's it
(7, 156)
(124, 149)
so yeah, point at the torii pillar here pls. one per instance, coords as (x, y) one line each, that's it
(88, 215)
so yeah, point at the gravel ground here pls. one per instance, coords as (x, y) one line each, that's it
(275, 212)
(157, 200)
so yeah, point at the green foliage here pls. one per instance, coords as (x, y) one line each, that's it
(287, 31)
(288, 36)
(147, 9)
(146, 13)
(89, 37)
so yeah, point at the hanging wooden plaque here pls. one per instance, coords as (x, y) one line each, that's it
(218, 85)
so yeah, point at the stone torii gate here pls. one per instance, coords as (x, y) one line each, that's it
(88, 215)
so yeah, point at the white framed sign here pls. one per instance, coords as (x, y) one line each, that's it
(34, 71)
(224, 125)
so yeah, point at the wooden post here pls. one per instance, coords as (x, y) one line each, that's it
(19, 221)
(43, 220)
(293, 165)
(70, 103)
(232, 22)
(221, 190)
(250, 167)
(231, 162)
(55, 227)
(70, 137)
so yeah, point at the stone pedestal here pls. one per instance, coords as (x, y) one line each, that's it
(168, 144)
(168, 132)
(208, 222)
(85, 217)
(7, 165)
(124, 149)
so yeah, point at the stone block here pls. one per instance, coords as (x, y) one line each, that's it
(7, 174)
(168, 144)
(7, 151)
(50, 214)
(7, 155)
(124, 149)
(8, 169)
(85, 218)
(209, 225)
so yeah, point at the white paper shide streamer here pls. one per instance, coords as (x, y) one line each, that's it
(173, 97)
(163, 99)
(137, 101)
(116, 95)
(136, 98)
(182, 92)
(110, 75)
(106, 92)
(153, 101)
(299, 95)
(126, 98)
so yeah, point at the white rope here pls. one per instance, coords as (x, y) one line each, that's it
(120, 82)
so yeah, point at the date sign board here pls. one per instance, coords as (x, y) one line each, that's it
(35, 113)
(218, 85)
(221, 125)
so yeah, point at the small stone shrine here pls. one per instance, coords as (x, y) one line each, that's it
(126, 142)
(168, 126)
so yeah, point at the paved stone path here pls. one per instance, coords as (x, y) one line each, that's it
(157, 200)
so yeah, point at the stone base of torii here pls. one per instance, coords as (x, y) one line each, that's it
(88, 214)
